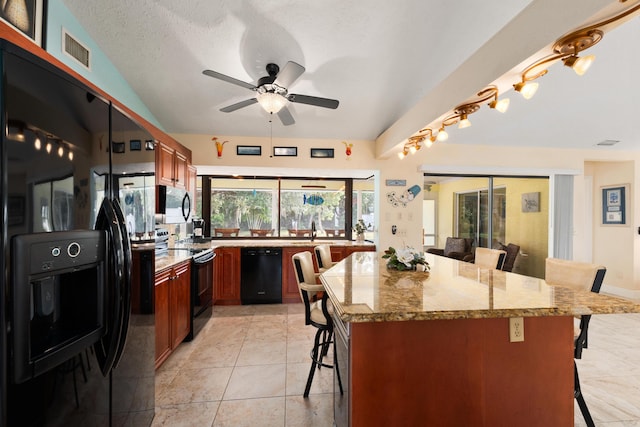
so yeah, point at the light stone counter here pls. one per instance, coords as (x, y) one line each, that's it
(176, 257)
(362, 289)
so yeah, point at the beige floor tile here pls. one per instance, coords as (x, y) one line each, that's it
(249, 382)
(194, 385)
(315, 411)
(186, 415)
(297, 375)
(262, 353)
(265, 412)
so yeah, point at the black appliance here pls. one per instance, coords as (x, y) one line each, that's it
(65, 297)
(201, 298)
(261, 275)
(201, 291)
(174, 204)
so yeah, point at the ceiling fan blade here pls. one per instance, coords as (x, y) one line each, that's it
(228, 79)
(314, 100)
(285, 116)
(239, 105)
(289, 74)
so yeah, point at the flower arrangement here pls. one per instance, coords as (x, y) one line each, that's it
(361, 227)
(405, 259)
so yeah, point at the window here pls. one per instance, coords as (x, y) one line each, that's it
(283, 207)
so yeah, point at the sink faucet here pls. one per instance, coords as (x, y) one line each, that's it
(313, 230)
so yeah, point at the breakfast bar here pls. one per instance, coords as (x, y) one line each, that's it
(416, 348)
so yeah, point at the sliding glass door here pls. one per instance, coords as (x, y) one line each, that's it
(494, 211)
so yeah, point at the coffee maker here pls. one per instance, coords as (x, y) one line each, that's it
(198, 227)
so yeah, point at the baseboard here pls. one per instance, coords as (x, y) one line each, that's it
(620, 292)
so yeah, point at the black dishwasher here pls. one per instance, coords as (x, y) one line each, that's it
(261, 275)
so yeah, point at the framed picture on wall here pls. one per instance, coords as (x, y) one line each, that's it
(614, 205)
(26, 16)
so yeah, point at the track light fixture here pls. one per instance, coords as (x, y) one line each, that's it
(566, 49)
(415, 142)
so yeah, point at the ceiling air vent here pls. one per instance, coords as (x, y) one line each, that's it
(607, 143)
(75, 49)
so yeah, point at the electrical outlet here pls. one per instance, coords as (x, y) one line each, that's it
(516, 329)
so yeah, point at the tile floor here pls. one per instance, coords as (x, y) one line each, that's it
(248, 367)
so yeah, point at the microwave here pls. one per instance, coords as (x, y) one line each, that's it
(174, 204)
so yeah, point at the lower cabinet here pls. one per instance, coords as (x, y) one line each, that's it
(226, 288)
(227, 271)
(290, 291)
(172, 306)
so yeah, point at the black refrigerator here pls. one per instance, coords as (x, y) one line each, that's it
(74, 351)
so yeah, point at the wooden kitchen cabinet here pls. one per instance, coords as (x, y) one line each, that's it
(171, 166)
(163, 326)
(226, 286)
(290, 291)
(180, 293)
(172, 306)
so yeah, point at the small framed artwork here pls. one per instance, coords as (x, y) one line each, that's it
(27, 16)
(614, 205)
(135, 145)
(248, 150)
(285, 151)
(322, 153)
(149, 145)
(118, 147)
(531, 202)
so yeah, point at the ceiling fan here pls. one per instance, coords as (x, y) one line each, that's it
(272, 91)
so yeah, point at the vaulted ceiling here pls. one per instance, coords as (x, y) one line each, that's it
(403, 63)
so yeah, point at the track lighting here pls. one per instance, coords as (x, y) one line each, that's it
(565, 49)
(48, 147)
(442, 134)
(60, 151)
(526, 89)
(37, 143)
(579, 64)
(464, 122)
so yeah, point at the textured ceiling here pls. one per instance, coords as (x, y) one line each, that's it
(379, 58)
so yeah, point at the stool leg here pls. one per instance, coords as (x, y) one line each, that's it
(335, 364)
(580, 399)
(314, 363)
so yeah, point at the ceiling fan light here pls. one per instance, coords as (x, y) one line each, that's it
(442, 135)
(271, 102)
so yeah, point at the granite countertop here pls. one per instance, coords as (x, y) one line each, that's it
(362, 289)
(174, 257)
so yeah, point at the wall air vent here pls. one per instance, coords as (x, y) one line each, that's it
(76, 50)
(607, 143)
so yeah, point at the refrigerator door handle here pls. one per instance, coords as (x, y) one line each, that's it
(125, 290)
(106, 349)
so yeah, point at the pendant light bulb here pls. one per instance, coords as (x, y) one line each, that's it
(60, 151)
(48, 147)
(37, 143)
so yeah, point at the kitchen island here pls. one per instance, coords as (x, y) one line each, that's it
(434, 348)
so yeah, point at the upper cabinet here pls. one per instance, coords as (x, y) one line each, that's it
(171, 166)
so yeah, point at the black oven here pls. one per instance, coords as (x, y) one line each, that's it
(201, 290)
(57, 293)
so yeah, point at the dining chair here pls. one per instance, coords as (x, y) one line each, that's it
(579, 276)
(323, 257)
(316, 312)
(489, 258)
